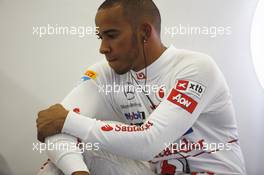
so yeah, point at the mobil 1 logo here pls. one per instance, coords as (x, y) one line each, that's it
(192, 87)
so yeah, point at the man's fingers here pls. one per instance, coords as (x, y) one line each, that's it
(43, 132)
(43, 122)
(46, 129)
(50, 121)
(43, 118)
(40, 137)
(55, 106)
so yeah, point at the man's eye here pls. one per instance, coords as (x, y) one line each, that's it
(112, 36)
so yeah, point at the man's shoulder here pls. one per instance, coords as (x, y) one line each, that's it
(195, 65)
(99, 71)
(194, 57)
(187, 61)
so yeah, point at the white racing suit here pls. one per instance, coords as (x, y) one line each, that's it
(180, 120)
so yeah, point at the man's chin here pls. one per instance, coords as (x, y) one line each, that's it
(119, 70)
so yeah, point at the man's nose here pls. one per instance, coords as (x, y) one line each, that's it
(104, 48)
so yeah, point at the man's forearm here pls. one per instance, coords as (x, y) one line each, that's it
(69, 160)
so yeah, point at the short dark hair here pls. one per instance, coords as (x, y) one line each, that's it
(135, 10)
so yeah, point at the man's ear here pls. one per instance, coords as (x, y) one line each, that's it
(145, 30)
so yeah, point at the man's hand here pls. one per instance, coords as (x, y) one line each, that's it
(50, 121)
(80, 173)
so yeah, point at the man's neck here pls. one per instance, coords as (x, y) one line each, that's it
(152, 53)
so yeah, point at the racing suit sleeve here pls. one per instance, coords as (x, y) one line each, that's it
(172, 118)
(84, 99)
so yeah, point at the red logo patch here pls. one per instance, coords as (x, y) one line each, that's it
(127, 128)
(182, 85)
(161, 93)
(182, 100)
(141, 76)
(77, 110)
(107, 128)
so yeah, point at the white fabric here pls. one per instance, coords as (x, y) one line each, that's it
(196, 100)
(103, 163)
(48, 168)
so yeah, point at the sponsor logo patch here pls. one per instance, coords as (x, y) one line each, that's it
(127, 128)
(182, 85)
(130, 105)
(107, 128)
(129, 92)
(182, 100)
(141, 76)
(91, 74)
(189, 131)
(85, 78)
(160, 94)
(192, 87)
(135, 115)
(77, 110)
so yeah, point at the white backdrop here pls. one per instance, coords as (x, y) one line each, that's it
(36, 72)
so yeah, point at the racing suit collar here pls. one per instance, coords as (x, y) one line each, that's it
(154, 69)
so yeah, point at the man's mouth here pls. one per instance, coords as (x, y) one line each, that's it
(111, 59)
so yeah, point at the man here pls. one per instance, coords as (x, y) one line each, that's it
(172, 107)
